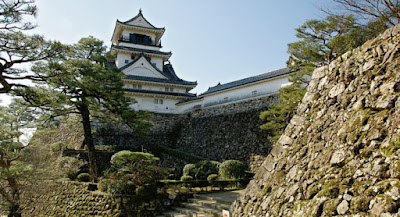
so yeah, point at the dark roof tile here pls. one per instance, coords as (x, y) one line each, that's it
(248, 80)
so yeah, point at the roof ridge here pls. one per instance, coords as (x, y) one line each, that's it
(137, 16)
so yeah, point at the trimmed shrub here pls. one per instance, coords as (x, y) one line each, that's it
(188, 169)
(121, 187)
(138, 167)
(83, 177)
(127, 158)
(186, 178)
(102, 185)
(212, 178)
(232, 169)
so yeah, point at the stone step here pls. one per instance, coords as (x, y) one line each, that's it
(190, 212)
(173, 214)
(204, 197)
(209, 203)
(203, 209)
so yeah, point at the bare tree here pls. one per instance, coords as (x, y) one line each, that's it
(372, 10)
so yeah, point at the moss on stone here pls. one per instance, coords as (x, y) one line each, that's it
(359, 204)
(330, 207)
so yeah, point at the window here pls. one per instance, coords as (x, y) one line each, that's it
(137, 86)
(158, 101)
(126, 61)
(225, 99)
(169, 89)
(254, 92)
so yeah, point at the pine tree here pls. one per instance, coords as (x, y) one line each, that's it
(321, 41)
(83, 84)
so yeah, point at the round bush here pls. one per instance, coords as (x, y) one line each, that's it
(121, 187)
(186, 178)
(83, 177)
(103, 185)
(212, 178)
(188, 170)
(232, 169)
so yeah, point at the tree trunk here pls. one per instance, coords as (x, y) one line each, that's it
(87, 128)
(14, 209)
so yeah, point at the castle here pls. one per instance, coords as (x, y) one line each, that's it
(152, 81)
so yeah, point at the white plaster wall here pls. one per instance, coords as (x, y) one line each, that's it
(233, 95)
(143, 68)
(147, 103)
(120, 60)
(121, 57)
(158, 62)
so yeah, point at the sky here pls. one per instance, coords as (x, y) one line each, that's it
(212, 41)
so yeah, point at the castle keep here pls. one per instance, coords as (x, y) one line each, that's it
(152, 81)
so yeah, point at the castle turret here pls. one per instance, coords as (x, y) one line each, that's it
(150, 79)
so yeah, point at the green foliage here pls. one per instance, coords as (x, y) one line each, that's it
(321, 41)
(201, 169)
(70, 166)
(280, 113)
(18, 48)
(188, 170)
(135, 168)
(15, 173)
(82, 83)
(186, 178)
(212, 178)
(232, 169)
(120, 187)
(178, 154)
(83, 177)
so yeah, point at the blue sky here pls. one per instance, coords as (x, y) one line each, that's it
(211, 40)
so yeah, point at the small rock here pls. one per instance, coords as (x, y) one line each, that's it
(338, 157)
(343, 207)
(337, 90)
(347, 197)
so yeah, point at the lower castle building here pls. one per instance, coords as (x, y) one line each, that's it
(152, 82)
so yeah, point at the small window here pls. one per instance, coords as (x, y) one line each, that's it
(254, 92)
(126, 61)
(158, 101)
(169, 89)
(137, 86)
(225, 99)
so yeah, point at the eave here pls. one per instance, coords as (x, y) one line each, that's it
(149, 53)
(244, 85)
(119, 26)
(156, 83)
(159, 94)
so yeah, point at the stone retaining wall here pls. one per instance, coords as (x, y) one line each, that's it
(65, 198)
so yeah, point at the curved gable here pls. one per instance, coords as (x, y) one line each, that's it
(142, 67)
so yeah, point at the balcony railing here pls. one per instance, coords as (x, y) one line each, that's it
(139, 41)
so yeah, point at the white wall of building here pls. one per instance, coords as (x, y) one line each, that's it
(125, 58)
(266, 87)
(148, 104)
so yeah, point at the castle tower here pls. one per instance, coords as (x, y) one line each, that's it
(150, 78)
